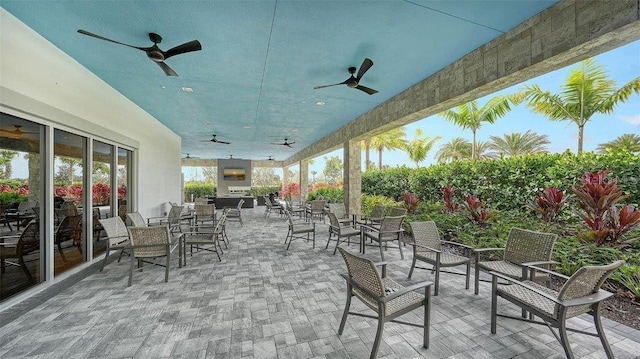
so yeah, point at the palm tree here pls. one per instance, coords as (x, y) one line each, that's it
(587, 91)
(628, 141)
(420, 146)
(391, 140)
(515, 144)
(456, 149)
(366, 147)
(469, 116)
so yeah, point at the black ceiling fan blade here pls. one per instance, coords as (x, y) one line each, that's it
(323, 86)
(366, 65)
(167, 70)
(223, 142)
(370, 91)
(184, 48)
(84, 32)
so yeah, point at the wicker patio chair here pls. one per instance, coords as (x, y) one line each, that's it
(340, 231)
(204, 214)
(117, 237)
(580, 294)
(153, 242)
(341, 213)
(207, 236)
(135, 219)
(523, 247)
(270, 207)
(70, 229)
(28, 242)
(173, 219)
(389, 230)
(428, 248)
(235, 213)
(295, 209)
(315, 208)
(297, 229)
(384, 296)
(375, 217)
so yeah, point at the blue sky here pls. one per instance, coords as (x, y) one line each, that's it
(621, 64)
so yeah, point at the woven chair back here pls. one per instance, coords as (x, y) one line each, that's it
(68, 228)
(115, 229)
(174, 215)
(333, 221)
(363, 272)
(426, 234)
(289, 218)
(585, 281)
(29, 240)
(318, 205)
(338, 209)
(524, 246)
(201, 200)
(154, 241)
(219, 228)
(240, 203)
(136, 219)
(205, 210)
(377, 211)
(397, 211)
(390, 227)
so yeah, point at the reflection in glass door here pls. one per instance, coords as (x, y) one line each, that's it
(124, 202)
(69, 237)
(100, 192)
(21, 191)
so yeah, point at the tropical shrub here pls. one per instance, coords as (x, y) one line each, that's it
(369, 201)
(392, 182)
(410, 202)
(333, 194)
(12, 197)
(449, 202)
(629, 276)
(198, 189)
(477, 214)
(549, 204)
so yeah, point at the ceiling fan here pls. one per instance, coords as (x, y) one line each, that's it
(17, 133)
(271, 158)
(285, 143)
(215, 140)
(354, 82)
(189, 156)
(154, 52)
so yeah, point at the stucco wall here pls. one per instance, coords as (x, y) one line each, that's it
(37, 78)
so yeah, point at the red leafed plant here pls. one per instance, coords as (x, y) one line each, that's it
(477, 214)
(450, 205)
(597, 197)
(622, 221)
(411, 202)
(549, 204)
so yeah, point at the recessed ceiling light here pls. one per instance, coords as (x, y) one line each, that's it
(294, 130)
(187, 89)
(320, 103)
(245, 126)
(163, 86)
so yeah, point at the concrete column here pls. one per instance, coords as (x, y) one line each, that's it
(285, 176)
(352, 176)
(304, 180)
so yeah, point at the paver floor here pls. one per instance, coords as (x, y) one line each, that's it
(262, 301)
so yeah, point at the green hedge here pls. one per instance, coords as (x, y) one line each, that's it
(331, 194)
(505, 184)
(198, 190)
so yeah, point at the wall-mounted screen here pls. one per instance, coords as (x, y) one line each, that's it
(234, 174)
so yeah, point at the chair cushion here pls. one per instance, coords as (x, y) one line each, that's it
(446, 259)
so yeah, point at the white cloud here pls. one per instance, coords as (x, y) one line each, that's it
(634, 120)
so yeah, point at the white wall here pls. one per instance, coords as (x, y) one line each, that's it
(39, 79)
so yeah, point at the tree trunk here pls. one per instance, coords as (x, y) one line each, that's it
(580, 138)
(367, 149)
(379, 158)
(473, 146)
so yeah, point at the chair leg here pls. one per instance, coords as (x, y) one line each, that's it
(346, 310)
(329, 240)
(600, 329)
(494, 304)
(437, 279)
(477, 279)
(413, 265)
(166, 270)
(564, 340)
(427, 317)
(468, 275)
(376, 342)
(380, 246)
(23, 265)
(104, 261)
(400, 247)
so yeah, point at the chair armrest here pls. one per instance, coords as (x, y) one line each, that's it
(405, 290)
(480, 250)
(364, 226)
(384, 268)
(532, 266)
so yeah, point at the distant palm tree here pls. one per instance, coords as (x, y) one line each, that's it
(456, 149)
(515, 144)
(420, 146)
(391, 140)
(469, 116)
(628, 141)
(366, 147)
(587, 91)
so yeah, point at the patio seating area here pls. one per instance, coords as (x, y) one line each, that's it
(264, 301)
